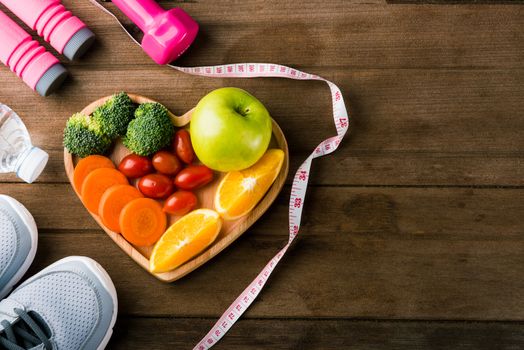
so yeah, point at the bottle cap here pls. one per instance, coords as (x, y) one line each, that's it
(51, 80)
(33, 165)
(79, 43)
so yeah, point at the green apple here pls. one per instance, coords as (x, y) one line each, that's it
(230, 129)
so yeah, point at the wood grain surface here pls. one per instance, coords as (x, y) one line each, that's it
(413, 234)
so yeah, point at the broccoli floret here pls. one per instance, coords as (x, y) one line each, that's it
(150, 131)
(82, 136)
(151, 108)
(114, 115)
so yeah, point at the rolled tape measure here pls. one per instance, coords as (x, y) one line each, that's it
(300, 180)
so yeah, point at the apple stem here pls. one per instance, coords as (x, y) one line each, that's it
(242, 112)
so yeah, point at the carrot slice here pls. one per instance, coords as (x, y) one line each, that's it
(87, 165)
(96, 183)
(142, 221)
(113, 201)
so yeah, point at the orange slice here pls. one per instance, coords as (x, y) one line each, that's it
(240, 191)
(186, 238)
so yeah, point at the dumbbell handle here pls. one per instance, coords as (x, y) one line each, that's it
(53, 22)
(24, 56)
(141, 12)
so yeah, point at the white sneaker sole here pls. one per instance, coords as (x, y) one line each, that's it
(107, 283)
(30, 224)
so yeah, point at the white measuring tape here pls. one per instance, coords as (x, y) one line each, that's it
(300, 180)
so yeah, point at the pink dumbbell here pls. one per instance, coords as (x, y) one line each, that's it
(52, 21)
(38, 68)
(167, 34)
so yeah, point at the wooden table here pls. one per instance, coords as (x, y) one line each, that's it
(413, 234)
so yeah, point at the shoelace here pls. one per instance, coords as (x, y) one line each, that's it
(24, 334)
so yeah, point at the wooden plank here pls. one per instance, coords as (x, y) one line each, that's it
(363, 277)
(155, 333)
(353, 167)
(327, 34)
(371, 252)
(338, 33)
(415, 210)
(410, 127)
(457, 2)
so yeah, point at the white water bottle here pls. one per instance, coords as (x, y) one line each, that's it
(17, 153)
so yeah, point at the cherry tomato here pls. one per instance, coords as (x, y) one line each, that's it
(166, 163)
(193, 176)
(156, 186)
(134, 166)
(182, 146)
(180, 203)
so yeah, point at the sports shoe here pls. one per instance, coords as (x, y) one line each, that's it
(69, 305)
(18, 238)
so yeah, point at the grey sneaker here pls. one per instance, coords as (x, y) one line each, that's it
(19, 238)
(69, 305)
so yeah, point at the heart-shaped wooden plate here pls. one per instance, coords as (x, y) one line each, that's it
(231, 230)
